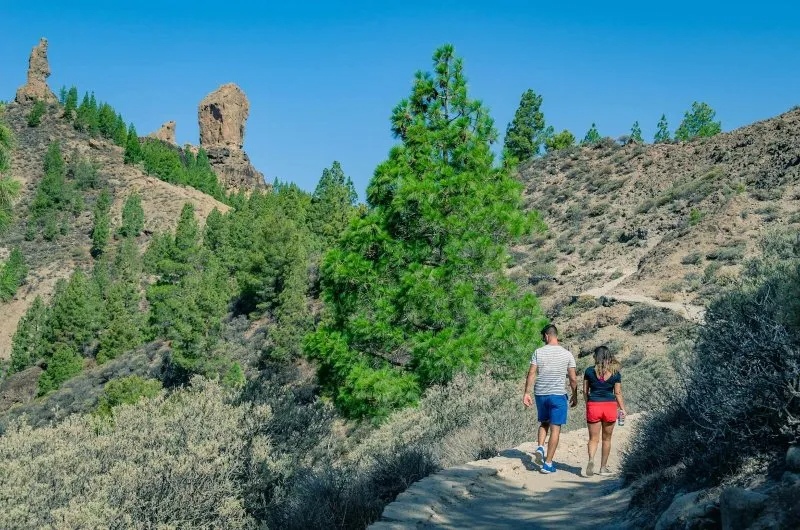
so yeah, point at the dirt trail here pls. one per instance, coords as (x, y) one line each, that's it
(609, 289)
(508, 491)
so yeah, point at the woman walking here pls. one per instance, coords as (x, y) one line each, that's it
(602, 386)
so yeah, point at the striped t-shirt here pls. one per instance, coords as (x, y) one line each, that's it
(552, 363)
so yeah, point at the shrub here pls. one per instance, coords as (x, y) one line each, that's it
(36, 113)
(126, 391)
(744, 364)
(693, 258)
(64, 364)
(168, 462)
(647, 319)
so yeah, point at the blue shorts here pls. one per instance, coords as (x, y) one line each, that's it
(552, 409)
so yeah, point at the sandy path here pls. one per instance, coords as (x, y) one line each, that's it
(508, 491)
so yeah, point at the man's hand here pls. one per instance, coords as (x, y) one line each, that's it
(573, 401)
(527, 400)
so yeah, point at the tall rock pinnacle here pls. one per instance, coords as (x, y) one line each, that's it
(38, 71)
(165, 133)
(222, 115)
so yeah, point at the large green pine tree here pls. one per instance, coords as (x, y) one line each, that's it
(415, 291)
(698, 123)
(75, 315)
(527, 132)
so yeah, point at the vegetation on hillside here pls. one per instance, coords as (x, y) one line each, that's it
(745, 364)
(527, 133)
(9, 188)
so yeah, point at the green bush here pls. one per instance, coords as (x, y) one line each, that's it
(64, 364)
(126, 391)
(36, 113)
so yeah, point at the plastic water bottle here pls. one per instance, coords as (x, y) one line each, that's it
(620, 418)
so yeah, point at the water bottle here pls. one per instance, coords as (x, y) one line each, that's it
(620, 418)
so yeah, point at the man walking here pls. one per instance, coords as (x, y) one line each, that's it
(549, 365)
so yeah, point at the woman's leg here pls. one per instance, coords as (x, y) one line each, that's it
(594, 438)
(608, 430)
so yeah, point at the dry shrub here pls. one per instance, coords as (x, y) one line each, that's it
(468, 419)
(736, 394)
(170, 462)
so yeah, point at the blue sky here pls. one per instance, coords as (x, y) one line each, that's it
(322, 77)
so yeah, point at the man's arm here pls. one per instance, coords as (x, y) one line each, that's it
(573, 383)
(529, 381)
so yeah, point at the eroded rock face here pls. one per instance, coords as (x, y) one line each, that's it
(222, 115)
(165, 133)
(38, 71)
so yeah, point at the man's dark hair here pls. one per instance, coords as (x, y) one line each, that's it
(550, 329)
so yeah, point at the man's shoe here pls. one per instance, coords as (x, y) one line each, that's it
(549, 468)
(590, 468)
(539, 455)
(605, 472)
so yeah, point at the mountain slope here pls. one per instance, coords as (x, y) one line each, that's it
(49, 261)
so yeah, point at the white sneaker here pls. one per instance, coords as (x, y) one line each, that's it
(590, 468)
(605, 472)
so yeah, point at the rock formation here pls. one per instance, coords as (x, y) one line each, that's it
(38, 71)
(222, 115)
(165, 133)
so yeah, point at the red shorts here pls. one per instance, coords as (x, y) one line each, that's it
(605, 411)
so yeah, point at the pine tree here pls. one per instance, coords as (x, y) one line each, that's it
(562, 140)
(12, 274)
(133, 148)
(592, 136)
(120, 132)
(75, 314)
(662, 131)
(215, 234)
(36, 113)
(415, 288)
(698, 123)
(71, 104)
(106, 121)
(26, 344)
(132, 216)
(9, 188)
(526, 134)
(636, 133)
(101, 233)
(63, 365)
(332, 204)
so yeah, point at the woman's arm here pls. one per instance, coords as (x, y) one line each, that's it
(618, 395)
(585, 388)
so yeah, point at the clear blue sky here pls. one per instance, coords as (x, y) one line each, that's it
(322, 77)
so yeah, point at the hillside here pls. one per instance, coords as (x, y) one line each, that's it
(664, 226)
(49, 261)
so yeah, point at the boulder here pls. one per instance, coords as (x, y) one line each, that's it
(36, 89)
(689, 510)
(165, 133)
(222, 115)
(739, 508)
